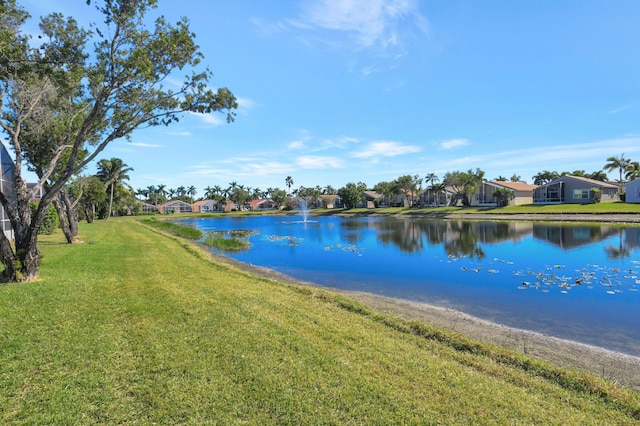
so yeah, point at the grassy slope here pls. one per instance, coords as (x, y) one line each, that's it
(135, 326)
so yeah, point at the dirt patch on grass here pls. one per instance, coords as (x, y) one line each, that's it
(613, 366)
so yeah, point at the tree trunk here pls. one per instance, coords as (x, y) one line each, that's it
(110, 202)
(29, 259)
(9, 274)
(67, 215)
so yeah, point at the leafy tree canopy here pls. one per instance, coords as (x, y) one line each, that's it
(66, 100)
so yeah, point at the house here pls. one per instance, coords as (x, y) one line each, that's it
(571, 189)
(331, 201)
(205, 206)
(6, 186)
(263, 204)
(175, 206)
(523, 193)
(371, 199)
(632, 191)
(148, 208)
(229, 206)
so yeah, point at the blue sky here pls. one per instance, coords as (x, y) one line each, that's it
(332, 92)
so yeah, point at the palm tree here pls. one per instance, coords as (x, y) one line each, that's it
(619, 163)
(289, 182)
(217, 191)
(112, 173)
(192, 191)
(438, 188)
(181, 191)
(162, 192)
(152, 194)
(208, 193)
(141, 192)
(632, 171)
(544, 177)
(430, 178)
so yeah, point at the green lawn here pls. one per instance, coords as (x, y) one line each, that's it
(613, 207)
(135, 326)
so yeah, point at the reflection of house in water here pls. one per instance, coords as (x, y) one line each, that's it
(569, 237)
(632, 237)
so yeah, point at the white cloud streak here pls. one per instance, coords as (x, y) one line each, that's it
(368, 22)
(385, 149)
(319, 162)
(453, 143)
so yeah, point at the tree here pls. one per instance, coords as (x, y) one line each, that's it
(617, 163)
(289, 182)
(328, 190)
(632, 171)
(438, 188)
(112, 173)
(464, 184)
(192, 191)
(405, 186)
(83, 100)
(503, 196)
(351, 194)
(429, 180)
(544, 177)
(90, 192)
(386, 189)
(279, 196)
(515, 178)
(598, 175)
(208, 193)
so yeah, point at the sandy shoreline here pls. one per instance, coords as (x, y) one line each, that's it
(614, 366)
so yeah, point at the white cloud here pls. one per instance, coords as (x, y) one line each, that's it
(245, 105)
(209, 119)
(319, 162)
(453, 143)
(339, 142)
(368, 22)
(296, 145)
(621, 109)
(359, 24)
(146, 145)
(181, 133)
(386, 149)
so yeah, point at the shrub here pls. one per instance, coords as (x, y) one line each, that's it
(51, 221)
(596, 195)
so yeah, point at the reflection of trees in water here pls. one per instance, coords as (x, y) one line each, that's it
(459, 238)
(406, 234)
(627, 241)
(463, 240)
(351, 230)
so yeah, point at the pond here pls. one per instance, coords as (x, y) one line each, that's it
(574, 281)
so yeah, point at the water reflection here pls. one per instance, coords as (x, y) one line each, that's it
(572, 281)
(465, 238)
(571, 236)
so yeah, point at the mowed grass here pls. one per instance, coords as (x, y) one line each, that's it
(136, 326)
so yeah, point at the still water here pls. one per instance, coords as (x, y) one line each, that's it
(576, 281)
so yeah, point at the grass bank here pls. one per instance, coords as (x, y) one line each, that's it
(136, 326)
(608, 208)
